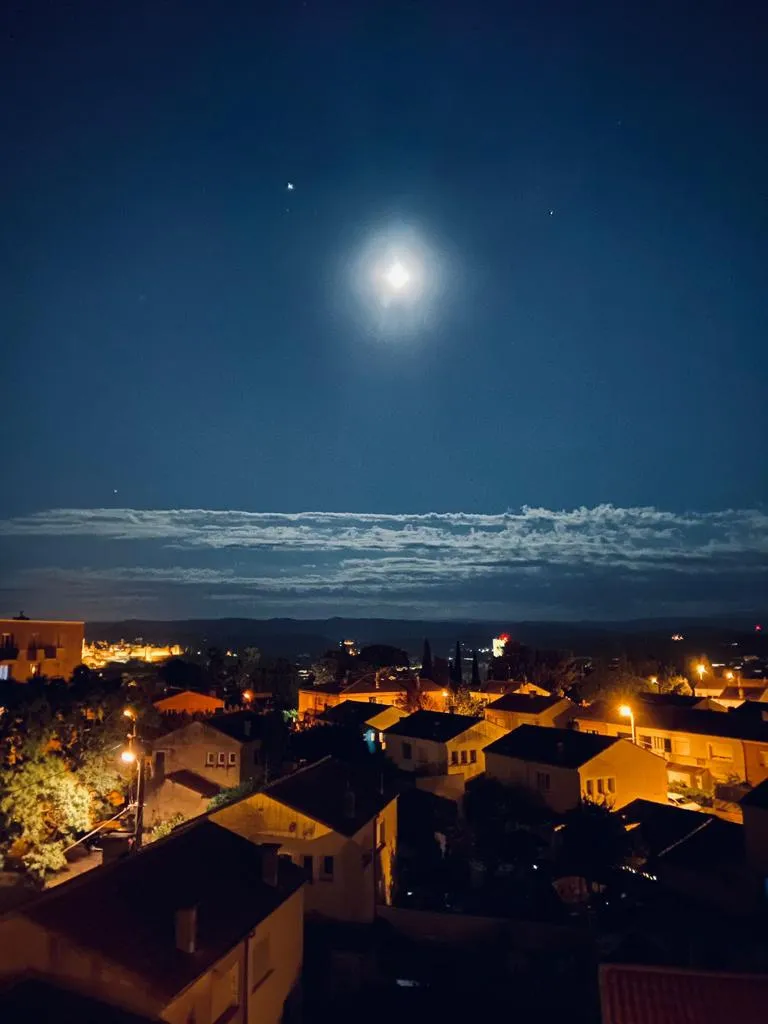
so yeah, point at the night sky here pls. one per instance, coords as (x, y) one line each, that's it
(212, 403)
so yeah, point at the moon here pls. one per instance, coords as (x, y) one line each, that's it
(397, 276)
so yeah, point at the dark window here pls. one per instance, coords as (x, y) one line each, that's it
(542, 780)
(463, 757)
(454, 757)
(326, 870)
(222, 759)
(210, 758)
(473, 757)
(407, 751)
(233, 758)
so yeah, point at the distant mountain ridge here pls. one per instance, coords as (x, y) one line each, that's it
(310, 637)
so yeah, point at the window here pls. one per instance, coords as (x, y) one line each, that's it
(326, 869)
(309, 868)
(407, 751)
(259, 962)
(601, 787)
(210, 758)
(644, 741)
(454, 757)
(463, 757)
(683, 747)
(473, 757)
(611, 783)
(542, 781)
(3, 671)
(764, 758)
(590, 789)
(662, 745)
(720, 752)
(233, 758)
(222, 760)
(371, 700)
(381, 832)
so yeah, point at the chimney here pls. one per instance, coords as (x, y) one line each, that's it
(269, 863)
(186, 929)
(349, 802)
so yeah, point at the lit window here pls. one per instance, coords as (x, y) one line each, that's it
(210, 758)
(222, 760)
(3, 671)
(233, 758)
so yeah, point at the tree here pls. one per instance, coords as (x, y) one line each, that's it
(463, 703)
(427, 669)
(413, 698)
(457, 677)
(324, 671)
(593, 843)
(475, 684)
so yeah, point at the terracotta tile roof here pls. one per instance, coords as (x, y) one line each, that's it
(342, 796)
(202, 865)
(674, 719)
(663, 995)
(525, 703)
(432, 725)
(352, 713)
(541, 744)
(757, 797)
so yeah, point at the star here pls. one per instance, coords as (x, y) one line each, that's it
(551, 213)
(290, 186)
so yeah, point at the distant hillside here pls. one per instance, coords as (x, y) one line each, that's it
(295, 637)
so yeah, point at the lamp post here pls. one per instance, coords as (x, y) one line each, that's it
(132, 754)
(701, 668)
(626, 712)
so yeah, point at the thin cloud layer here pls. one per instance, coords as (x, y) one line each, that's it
(601, 562)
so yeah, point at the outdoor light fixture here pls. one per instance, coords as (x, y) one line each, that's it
(626, 712)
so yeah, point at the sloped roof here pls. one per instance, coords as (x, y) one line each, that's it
(541, 744)
(198, 784)
(126, 911)
(37, 999)
(432, 725)
(352, 713)
(177, 701)
(717, 844)
(757, 797)
(692, 720)
(239, 725)
(668, 995)
(524, 703)
(661, 825)
(342, 796)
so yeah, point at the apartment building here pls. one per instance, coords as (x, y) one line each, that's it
(39, 647)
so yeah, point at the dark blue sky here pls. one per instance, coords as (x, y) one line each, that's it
(586, 183)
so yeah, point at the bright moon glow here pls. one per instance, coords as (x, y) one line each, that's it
(398, 276)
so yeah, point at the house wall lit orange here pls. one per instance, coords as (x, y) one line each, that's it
(39, 647)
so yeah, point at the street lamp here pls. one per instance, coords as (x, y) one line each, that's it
(626, 712)
(131, 755)
(701, 668)
(654, 681)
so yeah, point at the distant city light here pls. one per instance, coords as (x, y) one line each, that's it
(678, 636)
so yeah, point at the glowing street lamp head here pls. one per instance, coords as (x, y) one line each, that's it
(625, 711)
(128, 757)
(397, 276)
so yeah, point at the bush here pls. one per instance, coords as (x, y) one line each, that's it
(164, 828)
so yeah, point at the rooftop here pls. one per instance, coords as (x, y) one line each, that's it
(674, 719)
(143, 893)
(757, 797)
(35, 999)
(715, 845)
(432, 725)
(322, 791)
(524, 703)
(353, 712)
(668, 995)
(239, 725)
(661, 825)
(543, 745)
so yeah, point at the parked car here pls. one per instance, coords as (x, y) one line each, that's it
(678, 800)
